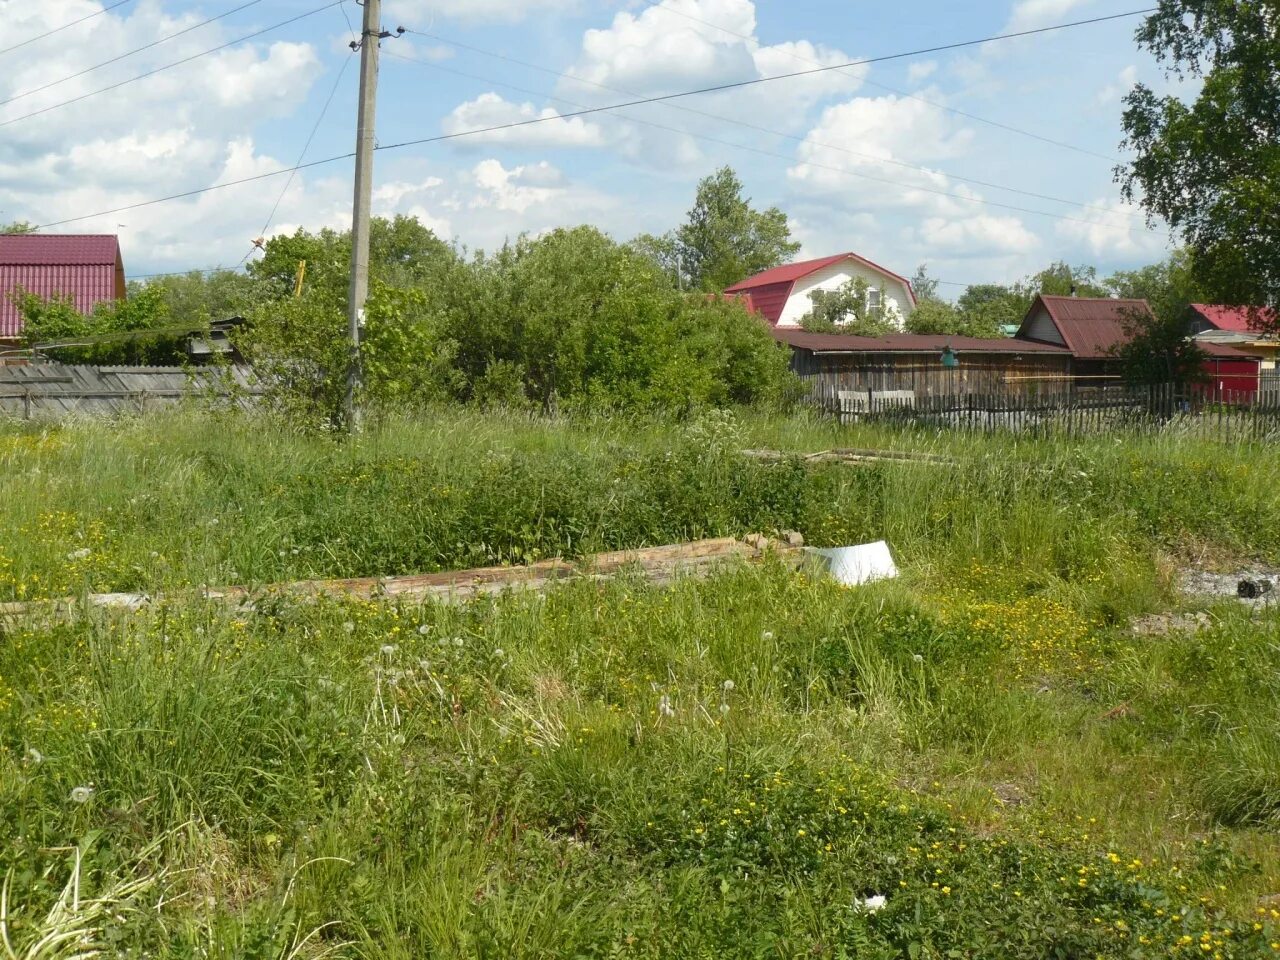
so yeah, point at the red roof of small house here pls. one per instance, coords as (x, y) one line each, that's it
(1235, 319)
(1224, 351)
(909, 343)
(766, 293)
(1091, 327)
(87, 268)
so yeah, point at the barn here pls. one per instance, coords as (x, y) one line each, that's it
(87, 268)
(925, 365)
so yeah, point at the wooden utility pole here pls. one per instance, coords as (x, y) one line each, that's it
(370, 36)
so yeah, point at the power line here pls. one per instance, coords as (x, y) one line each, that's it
(176, 63)
(742, 123)
(710, 139)
(65, 26)
(124, 56)
(658, 5)
(301, 156)
(593, 110)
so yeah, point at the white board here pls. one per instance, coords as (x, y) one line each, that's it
(852, 566)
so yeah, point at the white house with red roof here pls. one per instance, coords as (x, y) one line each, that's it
(782, 295)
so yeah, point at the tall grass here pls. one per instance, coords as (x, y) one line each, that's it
(728, 767)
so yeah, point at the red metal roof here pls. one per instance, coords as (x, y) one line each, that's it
(908, 343)
(86, 267)
(1225, 351)
(781, 280)
(1235, 319)
(1092, 327)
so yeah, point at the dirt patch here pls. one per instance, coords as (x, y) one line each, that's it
(1163, 624)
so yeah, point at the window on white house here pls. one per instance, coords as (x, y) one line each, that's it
(873, 298)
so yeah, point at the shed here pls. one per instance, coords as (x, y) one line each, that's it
(87, 268)
(1241, 328)
(908, 362)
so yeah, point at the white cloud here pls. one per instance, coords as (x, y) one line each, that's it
(1113, 228)
(491, 110)
(1112, 92)
(420, 12)
(1032, 14)
(919, 72)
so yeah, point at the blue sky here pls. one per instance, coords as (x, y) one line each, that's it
(879, 159)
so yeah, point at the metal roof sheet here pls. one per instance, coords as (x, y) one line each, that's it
(86, 268)
(1091, 327)
(910, 343)
(1235, 319)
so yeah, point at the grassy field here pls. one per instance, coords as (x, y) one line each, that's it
(737, 767)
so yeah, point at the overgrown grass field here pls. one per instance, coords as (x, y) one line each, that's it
(978, 759)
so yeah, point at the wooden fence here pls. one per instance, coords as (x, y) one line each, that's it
(51, 391)
(1167, 408)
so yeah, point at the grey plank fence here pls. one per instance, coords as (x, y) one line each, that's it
(50, 391)
(1166, 408)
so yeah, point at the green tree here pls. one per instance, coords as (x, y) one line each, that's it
(1157, 350)
(18, 226)
(402, 253)
(139, 330)
(846, 310)
(1211, 168)
(924, 286)
(725, 239)
(201, 298)
(1169, 287)
(990, 306)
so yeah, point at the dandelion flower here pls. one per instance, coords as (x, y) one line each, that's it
(81, 794)
(80, 554)
(766, 634)
(871, 904)
(665, 708)
(724, 709)
(388, 649)
(423, 629)
(349, 627)
(34, 755)
(728, 686)
(499, 653)
(918, 658)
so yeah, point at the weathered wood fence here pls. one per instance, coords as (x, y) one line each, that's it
(1166, 408)
(52, 390)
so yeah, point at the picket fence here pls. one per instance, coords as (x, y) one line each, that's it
(1164, 408)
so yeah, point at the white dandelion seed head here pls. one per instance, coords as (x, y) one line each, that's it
(423, 629)
(766, 634)
(499, 653)
(665, 708)
(81, 794)
(349, 627)
(80, 554)
(459, 642)
(918, 658)
(34, 755)
(728, 686)
(724, 709)
(388, 649)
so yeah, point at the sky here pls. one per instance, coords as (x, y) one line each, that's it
(983, 163)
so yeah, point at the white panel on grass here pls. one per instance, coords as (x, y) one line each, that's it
(852, 566)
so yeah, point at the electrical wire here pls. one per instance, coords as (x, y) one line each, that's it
(844, 171)
(659, 5)
(167, 66)
(593, 110)
(742, 123)
(65, 26)
(301, 156)
(124, 56)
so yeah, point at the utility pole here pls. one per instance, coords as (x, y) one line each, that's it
(371, 35)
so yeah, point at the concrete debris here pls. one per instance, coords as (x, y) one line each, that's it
(1162, 624)
(1256, 588)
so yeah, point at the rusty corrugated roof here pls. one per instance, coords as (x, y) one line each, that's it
(908, 343)
(86, 267)
(1091, 327)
